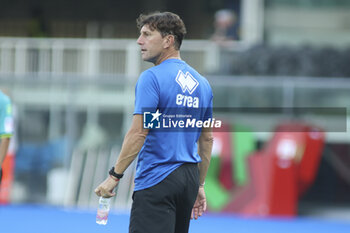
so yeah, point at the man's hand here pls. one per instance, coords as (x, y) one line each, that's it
(105, 189)
(200, 205)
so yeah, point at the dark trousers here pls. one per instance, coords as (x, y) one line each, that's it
(167, 206)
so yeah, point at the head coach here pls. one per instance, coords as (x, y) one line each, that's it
(171, 165)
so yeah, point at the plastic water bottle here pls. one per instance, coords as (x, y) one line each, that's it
(103, 210)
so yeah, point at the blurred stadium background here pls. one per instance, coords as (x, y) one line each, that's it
(70, 68)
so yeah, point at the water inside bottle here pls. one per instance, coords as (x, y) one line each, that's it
(102, 217)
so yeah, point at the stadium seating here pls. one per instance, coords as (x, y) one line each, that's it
(303, 61)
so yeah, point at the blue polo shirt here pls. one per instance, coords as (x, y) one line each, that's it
(171, 88)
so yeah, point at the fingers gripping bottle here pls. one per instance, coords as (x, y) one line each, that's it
(103, 210)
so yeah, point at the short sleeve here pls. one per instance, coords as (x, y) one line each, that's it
(146, 93)
(6, 120)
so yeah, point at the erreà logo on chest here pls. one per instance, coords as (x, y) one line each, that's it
(188, 84)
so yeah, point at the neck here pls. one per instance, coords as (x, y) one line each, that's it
(165, 56)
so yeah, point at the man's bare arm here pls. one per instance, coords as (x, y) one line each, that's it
(132, 145)
(205, 144)
(4, 144)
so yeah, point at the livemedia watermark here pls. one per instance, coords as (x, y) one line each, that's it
(253, 119)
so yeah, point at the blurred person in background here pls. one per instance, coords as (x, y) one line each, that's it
(225, 34)
(172, 166)
(225, 27)
(6, 127)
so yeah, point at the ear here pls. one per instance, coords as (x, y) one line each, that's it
(169, 41)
